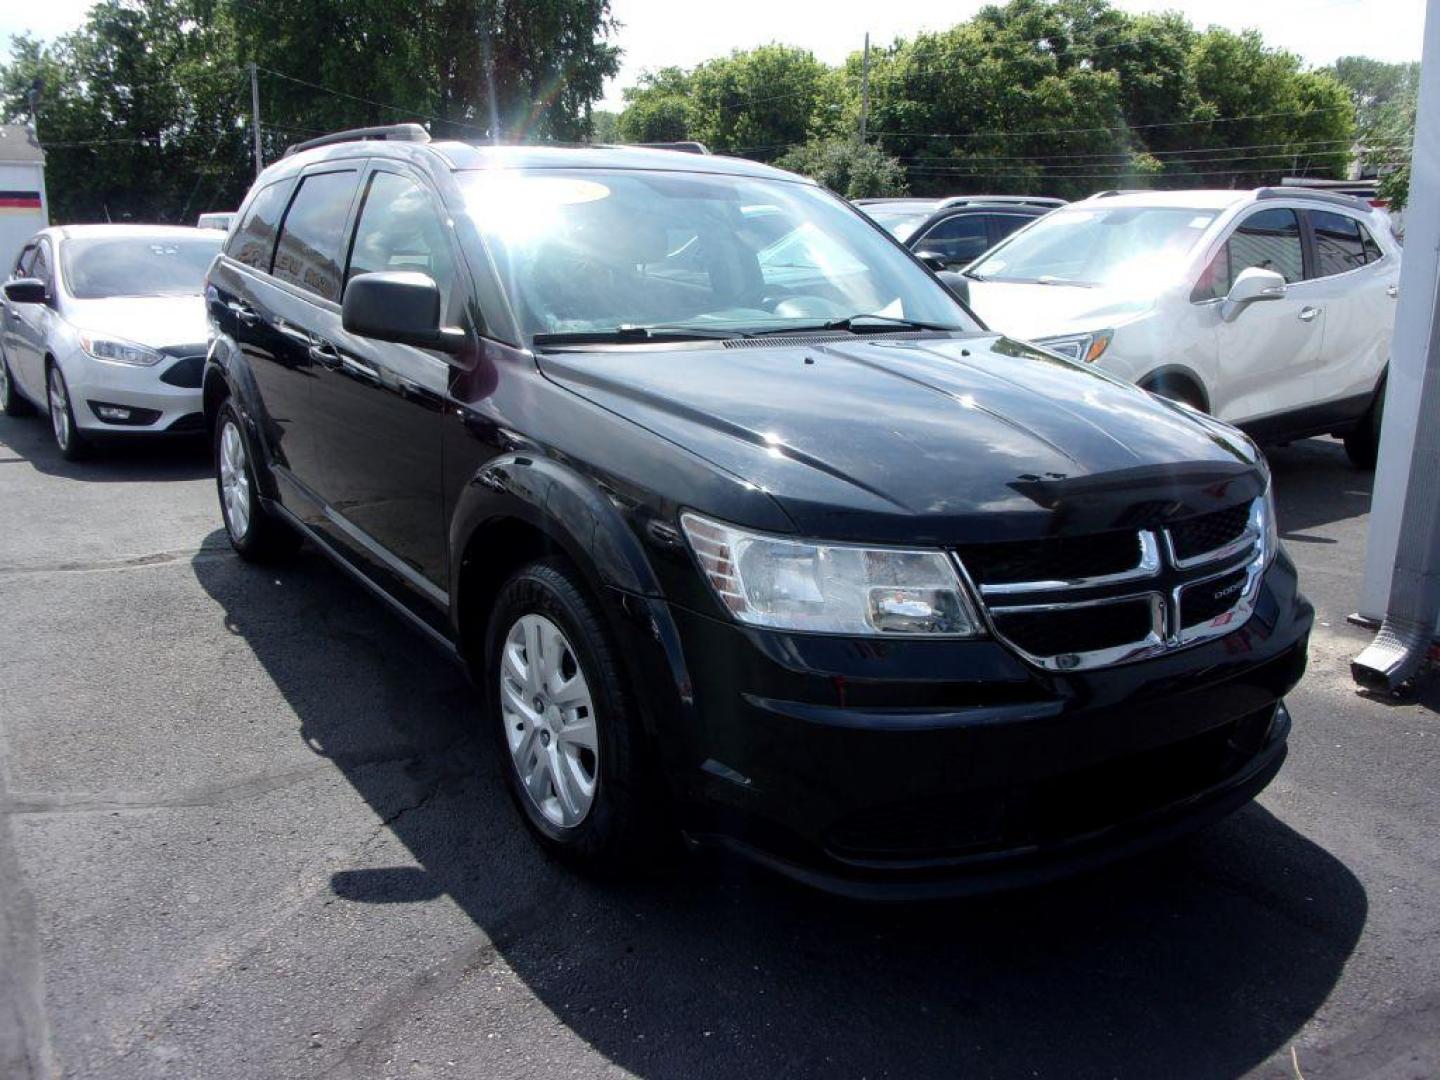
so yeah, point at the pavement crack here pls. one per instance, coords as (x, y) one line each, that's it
(201, 795)
(133, 562)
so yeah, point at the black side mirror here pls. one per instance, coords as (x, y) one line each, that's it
(399, 306)
(958, 284)
(933, 259)
(27, 291)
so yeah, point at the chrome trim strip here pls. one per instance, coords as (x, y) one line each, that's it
(1155, 642)
(1147, 567)
(422, 584)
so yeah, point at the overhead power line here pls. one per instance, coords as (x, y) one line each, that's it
(401, 109)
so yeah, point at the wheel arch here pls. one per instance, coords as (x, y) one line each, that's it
(1179, 376)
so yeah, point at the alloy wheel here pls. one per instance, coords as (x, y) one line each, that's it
(59, 409)
(549, 717)
(234, 480)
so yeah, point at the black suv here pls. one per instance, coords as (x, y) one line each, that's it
(951, 233)
(744, 527)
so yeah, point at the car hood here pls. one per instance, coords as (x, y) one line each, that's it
(157, 321)
(944, 440)
(1036, 311)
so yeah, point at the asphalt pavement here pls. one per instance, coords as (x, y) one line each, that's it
(247, 829)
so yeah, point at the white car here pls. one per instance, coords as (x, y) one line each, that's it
(1271, 309)
(104, 328)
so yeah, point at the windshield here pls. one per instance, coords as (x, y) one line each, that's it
(101, 266)
(1113, 246)
(901, 224)
(600, 250)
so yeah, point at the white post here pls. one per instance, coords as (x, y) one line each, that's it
(1413, 318)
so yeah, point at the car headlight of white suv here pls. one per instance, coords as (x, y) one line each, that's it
(1082, 348)
(119, 351)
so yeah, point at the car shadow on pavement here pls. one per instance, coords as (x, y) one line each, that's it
(1201, 960)
(1315, 486)
(29, 438)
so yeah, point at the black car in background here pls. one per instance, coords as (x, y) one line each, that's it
(743, 527)
(949, 234)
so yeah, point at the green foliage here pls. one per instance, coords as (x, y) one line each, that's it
(145, 113)
(846, 165)
(1384, 96)
(1060, 97)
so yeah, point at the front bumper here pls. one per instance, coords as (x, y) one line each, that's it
(916, 769)
(160, 406)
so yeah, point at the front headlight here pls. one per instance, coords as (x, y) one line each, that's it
(117, 351)
(1082, 348)
(1269, 526)
(804, 585)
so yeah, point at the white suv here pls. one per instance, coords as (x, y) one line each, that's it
(1271, 309)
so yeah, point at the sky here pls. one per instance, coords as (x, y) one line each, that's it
(658, 33)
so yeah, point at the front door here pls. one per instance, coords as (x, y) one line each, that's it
(28, 325)
(380, 405)
(1268, 353)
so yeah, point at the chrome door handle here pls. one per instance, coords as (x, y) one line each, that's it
(244, 312)
(1392, 291)
(1307, 314)
(325, 356)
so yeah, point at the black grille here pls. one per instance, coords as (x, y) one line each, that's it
(189, 422)
(1197, 535)
(1201, 602)
(1057, 559)
(185, 373)
(1075, 629)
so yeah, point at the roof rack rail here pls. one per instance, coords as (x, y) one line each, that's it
(1296, 191)
(1003, 200)
(685, 147)
(385, 132)
(1121, 191)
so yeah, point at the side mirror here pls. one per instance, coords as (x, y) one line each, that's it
(933, 259)
(27, 291)
(957, 283)
(399, 306)
(1251, 285)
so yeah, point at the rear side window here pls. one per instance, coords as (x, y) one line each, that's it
(308, 252)
(399, 229)
(959, 239)
(1269, 240)
(253, 241)
(1373, 251)
(1339, 243)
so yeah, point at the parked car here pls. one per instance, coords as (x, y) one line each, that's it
(949, 234)
(1271, 309)
(104, 329)
(216, 219)
(753, 535)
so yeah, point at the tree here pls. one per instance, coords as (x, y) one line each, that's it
(847, 166)
(658, 108)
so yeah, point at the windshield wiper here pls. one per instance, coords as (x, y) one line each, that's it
(627, 334)
(855, 324)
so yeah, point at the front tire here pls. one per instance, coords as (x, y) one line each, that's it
(255, 532)
(62, 416)
(570, 742)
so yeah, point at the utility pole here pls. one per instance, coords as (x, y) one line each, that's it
(255, 117)
(865, 88)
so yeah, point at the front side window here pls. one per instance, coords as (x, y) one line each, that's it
(399, 229)
(1269, 240)
(25, 261)
(1120, 246)
(308, 251)
(1339, 245)
(40, 267)
(253, 241)
(959, 240)
(100, 266)
(598, 250)
(1005, 224)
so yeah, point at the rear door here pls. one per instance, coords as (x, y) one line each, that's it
(1357, 284)
(379, 405)
(1268, 355)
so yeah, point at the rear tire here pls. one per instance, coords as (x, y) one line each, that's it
(1363, 443)
(256, 533)
(12, 403)
(570, 742)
